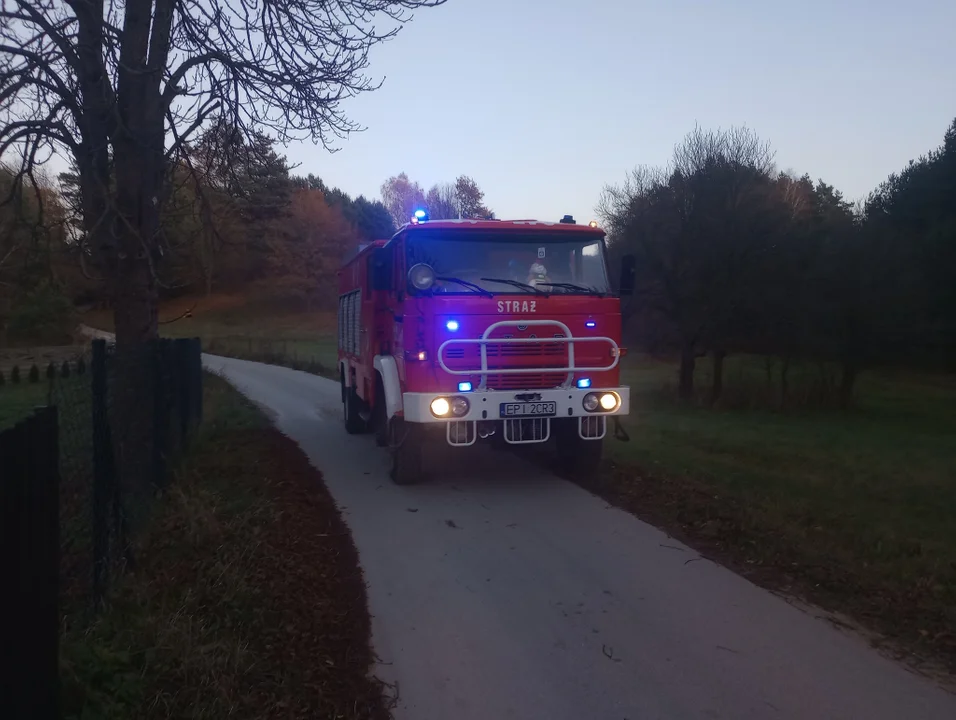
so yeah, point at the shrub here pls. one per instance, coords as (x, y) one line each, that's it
(34, 373)
(15, 375)
(65, 369)
(80, 365)
(3, 380)
(50, 371)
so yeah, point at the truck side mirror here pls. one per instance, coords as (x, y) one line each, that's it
(382, 269)
(628, 275)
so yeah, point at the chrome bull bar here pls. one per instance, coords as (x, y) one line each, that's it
(484, 371)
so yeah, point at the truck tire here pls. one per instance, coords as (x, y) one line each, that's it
(579, 457)
(405, 444)
(354, 424)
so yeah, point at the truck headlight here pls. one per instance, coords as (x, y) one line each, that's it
(601, 402)
(440, 407)
(459, 406)
(610, 401)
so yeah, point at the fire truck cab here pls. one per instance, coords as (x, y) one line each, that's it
(464, 331)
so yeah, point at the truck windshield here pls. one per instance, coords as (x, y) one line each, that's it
(556, 263)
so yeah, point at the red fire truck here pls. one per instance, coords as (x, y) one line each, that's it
(461, 331)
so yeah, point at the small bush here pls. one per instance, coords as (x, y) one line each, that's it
(80, 366)
(34, 374)
(50, 371)
(65, 369)
(15, 375)
(3, 380)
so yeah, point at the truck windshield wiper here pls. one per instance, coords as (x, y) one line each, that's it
(572, 286)
(465, 283)
(518, 284)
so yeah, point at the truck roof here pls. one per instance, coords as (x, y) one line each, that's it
(523, 226)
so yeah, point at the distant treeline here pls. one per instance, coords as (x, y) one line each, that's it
(235, 217)
(736, 257)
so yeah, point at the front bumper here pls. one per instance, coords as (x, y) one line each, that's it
(486, 404)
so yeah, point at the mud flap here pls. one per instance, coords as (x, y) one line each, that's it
(619, 432)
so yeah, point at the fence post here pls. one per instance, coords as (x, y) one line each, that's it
(181, 371)
(197, 377)
(103, 472)
(30, 547)
(162, 443)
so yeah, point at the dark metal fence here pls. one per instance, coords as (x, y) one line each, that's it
(29, 548)
(68, 514)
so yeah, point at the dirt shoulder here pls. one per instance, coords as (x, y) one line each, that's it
(247, 600)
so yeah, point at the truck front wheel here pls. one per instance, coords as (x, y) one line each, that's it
(579, 457)
(405, 444)
(354, 424)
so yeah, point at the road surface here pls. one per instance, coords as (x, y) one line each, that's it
(500, 591)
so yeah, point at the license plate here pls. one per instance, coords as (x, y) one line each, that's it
(528, 409)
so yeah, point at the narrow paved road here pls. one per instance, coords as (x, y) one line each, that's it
(499, 591)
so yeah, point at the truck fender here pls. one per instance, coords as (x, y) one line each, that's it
(388, 369)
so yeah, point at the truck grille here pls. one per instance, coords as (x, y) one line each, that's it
(536, 381)
(499, 355)
(509, 350)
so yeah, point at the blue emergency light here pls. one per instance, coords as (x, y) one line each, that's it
(590, 324)
(452, 325)
(464, 387)
(584, 383)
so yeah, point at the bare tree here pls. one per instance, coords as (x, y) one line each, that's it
(122, 86)
(442, 202)
(402, 197)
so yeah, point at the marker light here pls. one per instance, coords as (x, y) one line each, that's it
(584, 383)
(592, 224)
(590, 324)
(452, 325)
(464, 387)
(440, 407)
(421, 356)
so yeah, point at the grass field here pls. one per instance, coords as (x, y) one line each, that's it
(255, 330)
(18, 401)
(855, 510)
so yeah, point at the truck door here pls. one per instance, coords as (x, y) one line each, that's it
(395, 321)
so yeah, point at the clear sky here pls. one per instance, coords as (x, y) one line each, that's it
(545, 101)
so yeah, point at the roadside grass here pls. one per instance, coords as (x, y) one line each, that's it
(246, 599)
(17, 401)
(852, 510)
(249, 327)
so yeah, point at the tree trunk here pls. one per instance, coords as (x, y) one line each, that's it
(687, 360)
(138, 142)
(717, 388)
